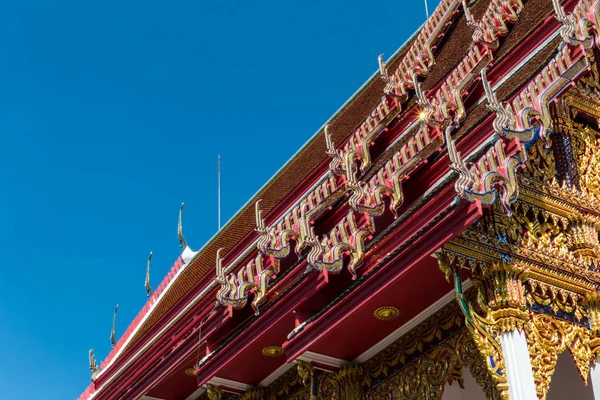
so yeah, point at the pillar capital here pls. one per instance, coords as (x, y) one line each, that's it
(214, 392)
(253, 394)
(501, 287)
(592, 304)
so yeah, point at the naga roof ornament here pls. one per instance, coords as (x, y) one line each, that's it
(337, 155)
(505, 120)
(182, 242)
(147, 282)
(93, 366)
(390, 83)
(254, 278)
(576, 26)
(113, 340)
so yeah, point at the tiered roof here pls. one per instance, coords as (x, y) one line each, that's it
(352, 128)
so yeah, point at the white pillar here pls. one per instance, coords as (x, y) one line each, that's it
(595, 379)
(518, 366)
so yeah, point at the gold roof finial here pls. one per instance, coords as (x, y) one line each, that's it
(182, 242)
(113, 341)
(93, 366)
(148, 286)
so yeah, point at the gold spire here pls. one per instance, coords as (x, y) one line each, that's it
(113, 341)
(148, 286)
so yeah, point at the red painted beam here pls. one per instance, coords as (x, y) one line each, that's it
(429, 241)
(156, 351)
(308, 286)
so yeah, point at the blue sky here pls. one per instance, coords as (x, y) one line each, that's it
(112, 113)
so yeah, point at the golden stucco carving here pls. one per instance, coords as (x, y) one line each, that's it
(557, 300)
(501, 294)
(422, 379)
(214, 392)
(547, 338)
(585, 149)
(401, 352)
(552, 239)
(288, 386)
(419, 364)
(345, 384)
(253, 394)
(592, 306)
(501, 298)
(426, 377)
(306, 372)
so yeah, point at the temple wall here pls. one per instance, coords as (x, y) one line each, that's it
(470, 389)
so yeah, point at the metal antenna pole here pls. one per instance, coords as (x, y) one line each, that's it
(426, 9)
(219, 190)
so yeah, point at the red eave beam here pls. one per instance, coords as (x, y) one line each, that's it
(307, 287)
(424, 244)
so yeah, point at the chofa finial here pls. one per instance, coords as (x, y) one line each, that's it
(113, 341)
(182, 242)
(93, 366)
(147, 283)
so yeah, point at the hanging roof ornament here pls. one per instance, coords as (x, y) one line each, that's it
(147, 283)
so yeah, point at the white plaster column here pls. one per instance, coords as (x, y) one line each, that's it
(592, 305)
(595, 379)
(521, 385)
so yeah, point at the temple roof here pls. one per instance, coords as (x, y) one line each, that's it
(180, 280)
(304, 167)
